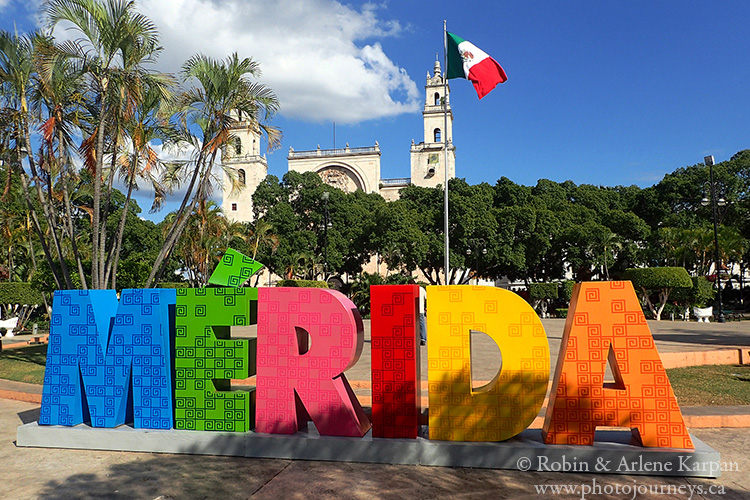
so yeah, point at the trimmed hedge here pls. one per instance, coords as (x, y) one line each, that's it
(562, 312)
(543, 291)
(176, 284)
(19, 293)
(652, 278)
(302, 283)
(700, 294)
(566, 290)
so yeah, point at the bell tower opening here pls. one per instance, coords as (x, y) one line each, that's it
(428, 159)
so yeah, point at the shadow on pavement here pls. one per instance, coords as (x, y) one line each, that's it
(29, 416)
(169, 476)
(704, 338)
(201, 477)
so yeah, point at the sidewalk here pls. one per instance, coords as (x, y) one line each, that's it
(89, 474)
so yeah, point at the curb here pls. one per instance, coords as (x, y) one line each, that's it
(26, 397)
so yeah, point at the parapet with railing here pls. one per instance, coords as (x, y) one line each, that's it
(321, 153)
(403, 181)
(244, 159)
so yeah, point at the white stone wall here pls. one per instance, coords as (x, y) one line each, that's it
(238, 206)
(424, 158)
(391, 193)
(348, 169)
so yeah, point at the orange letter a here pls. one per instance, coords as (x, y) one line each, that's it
(606, 322)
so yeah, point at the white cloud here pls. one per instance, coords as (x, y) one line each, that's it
(313, 53)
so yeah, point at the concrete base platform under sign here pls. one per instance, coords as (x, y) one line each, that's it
(612, 453)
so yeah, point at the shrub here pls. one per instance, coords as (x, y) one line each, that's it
(661, 279)
(302, 284)
(360, 291)
(539, 291)
(700, 294)
(670, 309)
(176, 284)
(19, 293)
(653, 278)
(562, 312)
(566, 290)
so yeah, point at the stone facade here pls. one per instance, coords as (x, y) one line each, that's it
(428, 157)
(349, 169)
(248, 169)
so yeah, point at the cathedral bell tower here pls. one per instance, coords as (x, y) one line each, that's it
(427, 157)
(242, 153)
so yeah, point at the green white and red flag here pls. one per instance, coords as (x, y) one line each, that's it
(466, 60)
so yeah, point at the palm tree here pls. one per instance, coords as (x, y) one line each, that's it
(261, 235)
(609, 244)
(16, 79)
(299, 265)
(225, 92)
(732, 246)
(151, 121)
(209, 230)
(702, 241)
(58, 95)
(116, 42)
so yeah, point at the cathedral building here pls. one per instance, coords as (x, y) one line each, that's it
(348, 169)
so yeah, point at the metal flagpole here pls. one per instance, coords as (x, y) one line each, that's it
(445, 148)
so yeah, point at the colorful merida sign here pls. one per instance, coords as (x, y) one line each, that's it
(163, 359)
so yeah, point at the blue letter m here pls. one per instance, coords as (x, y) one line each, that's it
(108, 363)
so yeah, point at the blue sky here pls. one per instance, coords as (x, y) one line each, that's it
(610, 93)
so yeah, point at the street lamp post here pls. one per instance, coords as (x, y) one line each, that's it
(476, 244)
(709, 160)
(326, 225)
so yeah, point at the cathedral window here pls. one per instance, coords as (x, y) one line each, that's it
(241, 177)
(437, 135)
(237, 146)
(437, 99)
(234, 207)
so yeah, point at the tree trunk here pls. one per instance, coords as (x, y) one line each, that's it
(43, 201)
(112, 266)
(170, 241)
(104, 261)
(32, 211)
(647, 300)
(96, 271)
(68, 213)
(59, 283)
(31, 242)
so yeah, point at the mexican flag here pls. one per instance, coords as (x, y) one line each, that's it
(466, 60)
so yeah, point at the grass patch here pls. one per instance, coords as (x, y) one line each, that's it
(711, 385)
(25, 364)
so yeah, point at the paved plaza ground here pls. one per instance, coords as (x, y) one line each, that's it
(73, 474)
